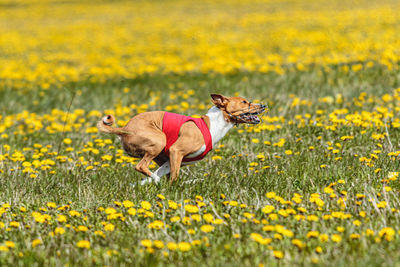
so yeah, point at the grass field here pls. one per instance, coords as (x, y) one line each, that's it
(316, 183)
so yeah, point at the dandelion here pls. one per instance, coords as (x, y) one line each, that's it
(156, 225)
(388, 233)
(312, 234)
(336, 238)
(184, 246)
(172, 246)
(268, 209)
(233, 203)
(109, 227)
(83, 244)
(260, 239)
(14, 224)
(298, 243)
(59, 231)
(172, 205)
(314, 260)
(278, 254)
(382, 204)
(175, 219)
(207, 228)
(145, 205)
(9, 244)
(74, 213)
(191, 208)
(146, 243)
(158, 244)
(354, 236)
(236, 236)
(289, 152)
(36, 242)
(323, 237)
(191, 231)
(61, 218)
(99, 233)
(340, 229)
(132, 211)
(369, 232)
(51, 205)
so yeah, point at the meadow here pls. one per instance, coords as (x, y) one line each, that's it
(315, 183)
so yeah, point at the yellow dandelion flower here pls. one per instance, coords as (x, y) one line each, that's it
(36, 242)
(145, 205)
(127, 204)
(184, 246)
(51, 205)
(83, 244)
(9, 244)
(61, 218)
(172, 246)
(278, 254)
(59, 231)
(207, 228)
(288, 152)
(191, 208)
(109, 227)
(132, 211)
(158, 244)
(336, 238)
(99, 233)
(146, 243)
(67, 141)
(268, 209)
(298, 243)
(14, 224)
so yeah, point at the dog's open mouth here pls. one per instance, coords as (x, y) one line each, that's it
(251, 117)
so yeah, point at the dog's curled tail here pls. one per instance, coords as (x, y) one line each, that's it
(104, 126)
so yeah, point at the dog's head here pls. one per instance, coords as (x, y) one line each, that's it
(238, 109)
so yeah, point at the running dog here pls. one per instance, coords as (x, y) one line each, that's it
(173, 140)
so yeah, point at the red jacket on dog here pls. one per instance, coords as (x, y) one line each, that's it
(172, 124)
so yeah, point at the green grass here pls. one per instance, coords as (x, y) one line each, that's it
(86, 191)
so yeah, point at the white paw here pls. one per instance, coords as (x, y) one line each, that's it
(146, 181)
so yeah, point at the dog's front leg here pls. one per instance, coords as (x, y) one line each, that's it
(175, 158)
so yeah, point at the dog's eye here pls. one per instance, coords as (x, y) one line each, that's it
(244, 102)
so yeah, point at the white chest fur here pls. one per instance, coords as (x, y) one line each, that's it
(218, 125)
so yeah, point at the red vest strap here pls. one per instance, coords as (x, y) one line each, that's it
(172, 124)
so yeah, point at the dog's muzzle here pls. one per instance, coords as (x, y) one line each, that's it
(251, 117)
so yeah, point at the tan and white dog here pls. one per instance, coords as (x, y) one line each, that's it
(143, 135)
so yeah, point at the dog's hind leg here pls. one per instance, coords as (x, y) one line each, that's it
(143, 167)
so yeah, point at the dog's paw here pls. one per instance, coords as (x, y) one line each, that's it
(146, 181)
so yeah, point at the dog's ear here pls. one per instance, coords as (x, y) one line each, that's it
(219, 100)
